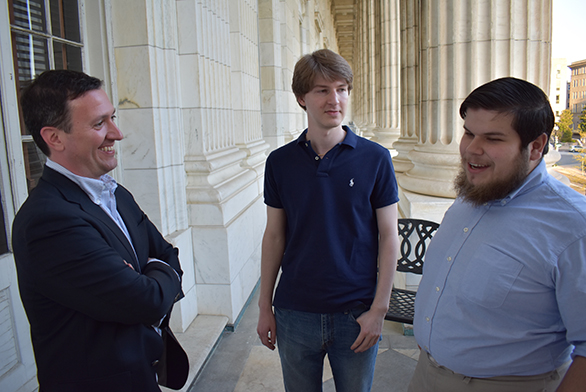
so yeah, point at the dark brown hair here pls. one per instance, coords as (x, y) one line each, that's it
(45, 102)
(529, 105)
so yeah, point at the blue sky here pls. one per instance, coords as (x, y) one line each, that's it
(569, 20)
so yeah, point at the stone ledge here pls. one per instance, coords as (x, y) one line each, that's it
(199, 341)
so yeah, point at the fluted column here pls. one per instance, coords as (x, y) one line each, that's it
(410, 82)
(388, 83)
(246, 99)
(360, 92)
(370, 68)
(463, 45)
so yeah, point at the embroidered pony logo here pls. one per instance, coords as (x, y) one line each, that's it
(351, 182)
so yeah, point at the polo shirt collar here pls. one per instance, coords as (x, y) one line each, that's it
(350, 140)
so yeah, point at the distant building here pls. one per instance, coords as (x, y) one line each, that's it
(558, 91)
(577, 91)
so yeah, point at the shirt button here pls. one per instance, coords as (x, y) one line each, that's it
(449, 258)
(317, 158)
(465, 230)
(427, 319)
(155, 362)
(437, 289)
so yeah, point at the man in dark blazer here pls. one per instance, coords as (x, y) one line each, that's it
(95, 275)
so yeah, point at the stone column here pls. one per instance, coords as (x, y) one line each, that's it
(370, 70)
(388, 83)
(245, 76)
(360, 68)
(409, 49)
(274, 96)
(463, 45)
(148, 87)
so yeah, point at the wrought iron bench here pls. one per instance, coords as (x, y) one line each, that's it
(415, 235)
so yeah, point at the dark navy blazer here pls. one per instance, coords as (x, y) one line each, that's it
(90, 314)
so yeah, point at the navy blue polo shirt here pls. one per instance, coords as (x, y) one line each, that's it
(331, 250)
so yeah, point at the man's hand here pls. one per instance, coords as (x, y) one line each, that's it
(267, 328)
(371, 327)
(128, 264)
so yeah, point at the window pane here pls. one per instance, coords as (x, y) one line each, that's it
(70, 58)
(29, 15)
(65, 19)
(35, 53)
(31, 55)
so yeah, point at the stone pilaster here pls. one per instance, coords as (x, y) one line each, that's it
(274, 95)
(224, 150)
(145, 49)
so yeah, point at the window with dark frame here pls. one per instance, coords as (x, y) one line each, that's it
(42, 39)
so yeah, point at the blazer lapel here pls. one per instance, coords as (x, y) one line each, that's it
(74, 194)
(127, 211)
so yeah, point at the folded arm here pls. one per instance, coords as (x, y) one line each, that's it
(78, 263)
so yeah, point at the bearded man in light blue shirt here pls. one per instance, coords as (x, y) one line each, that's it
(501, 303)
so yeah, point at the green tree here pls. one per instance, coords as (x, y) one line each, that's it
(582, 125)
(581, 157)
(564, 131)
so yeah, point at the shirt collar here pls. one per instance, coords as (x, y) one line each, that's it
(350, 140)
(536, 177)
(94, 188)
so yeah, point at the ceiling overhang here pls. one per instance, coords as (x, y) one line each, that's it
(343, 11)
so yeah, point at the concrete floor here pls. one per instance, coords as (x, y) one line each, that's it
(240, 363)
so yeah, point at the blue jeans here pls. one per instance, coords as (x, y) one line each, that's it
(303, 340)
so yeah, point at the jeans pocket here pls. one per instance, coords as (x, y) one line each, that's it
(357, 311)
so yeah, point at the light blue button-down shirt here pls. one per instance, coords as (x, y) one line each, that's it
(504, 285)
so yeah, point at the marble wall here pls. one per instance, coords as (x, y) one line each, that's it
(204, 95)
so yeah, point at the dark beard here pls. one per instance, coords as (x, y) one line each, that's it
(496, 190)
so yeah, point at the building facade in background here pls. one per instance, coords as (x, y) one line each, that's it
(202, 91)
(558, 90)
(577, 92)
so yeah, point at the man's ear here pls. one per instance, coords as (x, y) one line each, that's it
(301, 102)
(53, 137)
(536, 147)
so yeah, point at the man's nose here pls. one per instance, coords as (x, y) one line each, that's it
(333, 97)
(474, 147)
(114, 132)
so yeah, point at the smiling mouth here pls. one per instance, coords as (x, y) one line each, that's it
(107, 149)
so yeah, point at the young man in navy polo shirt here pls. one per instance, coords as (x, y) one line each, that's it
(332, 228)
